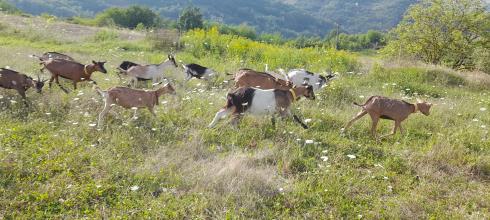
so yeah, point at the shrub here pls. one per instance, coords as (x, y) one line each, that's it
(128, 17)
(202, 43)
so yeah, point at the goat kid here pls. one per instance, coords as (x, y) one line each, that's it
(153, 72)
(392, 109)
(262, 102)
(132, 98)
(10, 79)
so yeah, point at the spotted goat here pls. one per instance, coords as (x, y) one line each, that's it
(263, 102)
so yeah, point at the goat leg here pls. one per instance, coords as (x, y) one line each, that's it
(397, 124)
(296, 118)
(357, 117)
(219, 115)
(374, 126)
(59, 85)
(152, 111)
(107, 107)
(51, 81)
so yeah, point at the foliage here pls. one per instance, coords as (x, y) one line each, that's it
(5, 6)
(190, 18)
(202, 43)
(129, 17)
(442, 32)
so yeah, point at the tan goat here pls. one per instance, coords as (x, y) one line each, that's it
(131, 98)
(392, 109)
(251, 78)
(76, 72)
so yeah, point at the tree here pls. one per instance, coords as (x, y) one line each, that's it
(442, 32)
(128, 17)
(8, 8)
(190, 18)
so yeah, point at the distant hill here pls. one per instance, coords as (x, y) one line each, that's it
(265, 15)
(356, 16)
(289, 17)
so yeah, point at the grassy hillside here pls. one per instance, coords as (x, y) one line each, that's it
(55, 164)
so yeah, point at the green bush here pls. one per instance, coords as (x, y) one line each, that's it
(202, 43)
(128, 17)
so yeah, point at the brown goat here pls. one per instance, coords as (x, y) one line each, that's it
(10, 79)
(53, 55)
(251, 78)
(392, 109)
(71, 70)
(131, 98)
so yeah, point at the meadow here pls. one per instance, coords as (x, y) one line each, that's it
(55, 163)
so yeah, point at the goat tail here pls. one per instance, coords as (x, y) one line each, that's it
(355, 103)
(36, 57)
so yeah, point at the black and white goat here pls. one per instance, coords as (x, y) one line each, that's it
(262, 102)
(197, 71)
(153, 72)
(303, 77)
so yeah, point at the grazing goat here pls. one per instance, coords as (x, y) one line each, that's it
(53, 55)
(131, 98)
(197, 71)
(262, 102)
(71, 70)
(382, 107)
(10, 79)
(152, 72)
(252, 78)
(302, 77)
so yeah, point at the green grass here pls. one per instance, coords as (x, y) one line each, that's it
(53, 164)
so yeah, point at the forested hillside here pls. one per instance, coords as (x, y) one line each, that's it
(264, 15)
(356, 16)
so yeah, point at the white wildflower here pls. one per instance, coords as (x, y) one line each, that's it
(483, 109)
(351, 156)
(134, 188)
(309, 142)
(324, 158)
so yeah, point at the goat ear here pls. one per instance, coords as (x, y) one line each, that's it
(93, 61)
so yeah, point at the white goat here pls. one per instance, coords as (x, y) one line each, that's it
(303, 77)
(153, 72)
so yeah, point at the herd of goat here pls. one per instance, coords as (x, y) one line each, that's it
(256, 93)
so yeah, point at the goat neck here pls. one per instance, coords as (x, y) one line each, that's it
(165, 64)
(89, 69)
(297, 92)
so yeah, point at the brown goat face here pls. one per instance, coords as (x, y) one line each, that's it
(424, 108)
(309, 93)
(170, 89)
(99, 66)
(172, 59)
